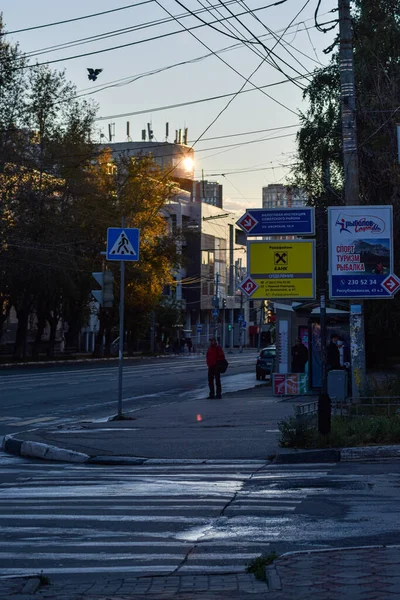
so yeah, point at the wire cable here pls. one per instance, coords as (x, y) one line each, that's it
(191, 102)
(262, 43)
(101, 51)
(244, 41)
(108, 34)
(225, 62)
(104, 12)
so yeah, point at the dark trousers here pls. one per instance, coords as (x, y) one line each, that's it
(213, 373)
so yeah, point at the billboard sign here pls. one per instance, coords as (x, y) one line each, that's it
(360, 251)
(278, 221)
(284, 269)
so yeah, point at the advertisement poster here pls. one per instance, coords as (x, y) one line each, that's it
(280, 270)
(360, 251)
(342, 331)
(290, 384)
(283, 346)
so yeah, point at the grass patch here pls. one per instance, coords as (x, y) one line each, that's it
(257, 566)
(44, 580)
(345, 431)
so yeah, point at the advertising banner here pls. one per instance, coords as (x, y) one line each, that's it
(360, 251)
(289, 384)
(279, 270)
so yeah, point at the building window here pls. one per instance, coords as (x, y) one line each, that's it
(207, 257)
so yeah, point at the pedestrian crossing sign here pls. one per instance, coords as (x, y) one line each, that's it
(123, 243)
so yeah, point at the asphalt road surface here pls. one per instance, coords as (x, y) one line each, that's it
(52, 395)
(94, 521)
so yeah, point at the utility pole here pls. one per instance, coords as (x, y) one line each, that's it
(324, 401)
(260, 324)
(121, 331)
(216, 317)
(351, 180)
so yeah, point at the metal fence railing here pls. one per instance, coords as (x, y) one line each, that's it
(353, 407)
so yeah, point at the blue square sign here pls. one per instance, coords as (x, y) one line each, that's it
(123, 243)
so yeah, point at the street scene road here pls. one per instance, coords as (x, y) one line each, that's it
(102, 523)
(58, 394)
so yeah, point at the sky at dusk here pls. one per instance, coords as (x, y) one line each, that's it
(117, 92)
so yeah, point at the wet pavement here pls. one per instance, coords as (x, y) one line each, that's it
(242, 425)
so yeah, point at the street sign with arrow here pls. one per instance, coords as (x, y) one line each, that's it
(248, 286)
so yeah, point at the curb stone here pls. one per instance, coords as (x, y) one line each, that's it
(273, 580)
(13, 445)
(347, 454)
(31, 586)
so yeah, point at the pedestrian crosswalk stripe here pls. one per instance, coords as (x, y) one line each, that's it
(144, 519)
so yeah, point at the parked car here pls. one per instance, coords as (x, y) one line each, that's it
(265, 362)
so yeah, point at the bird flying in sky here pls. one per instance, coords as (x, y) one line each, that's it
(93, 73)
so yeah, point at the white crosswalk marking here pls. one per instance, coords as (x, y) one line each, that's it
(141, 519)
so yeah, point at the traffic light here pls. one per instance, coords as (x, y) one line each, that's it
(229, 327)
(224, 303)
(105, 296)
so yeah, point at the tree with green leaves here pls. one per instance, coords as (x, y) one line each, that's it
(319, 140)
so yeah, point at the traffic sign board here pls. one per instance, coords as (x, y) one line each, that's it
(360, 251)
(284, 269)
(244, 324)
(215, 312)
(391, 284)
(199, 328)
(247, 222)
(248, 286)
(240, 318)
(123, 243)
(278, 221)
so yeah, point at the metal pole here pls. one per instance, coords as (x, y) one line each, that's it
(121, 331)
(216, 306)
(240, 324)
(324, 401)
(223, 329)
(260, 326)
(351, 180)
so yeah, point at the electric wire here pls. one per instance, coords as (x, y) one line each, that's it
(244, 41)
(225, 62)
(190, 102)
(108, 34)
(262, 43)
(104, 12)
(134, 43)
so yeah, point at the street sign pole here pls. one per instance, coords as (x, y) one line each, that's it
(121, 331)
(122, 244)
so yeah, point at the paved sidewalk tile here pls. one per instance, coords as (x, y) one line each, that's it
(354, 574)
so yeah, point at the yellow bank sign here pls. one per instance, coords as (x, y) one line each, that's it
(284, 269)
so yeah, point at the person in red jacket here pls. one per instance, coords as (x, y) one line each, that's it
(214, 354)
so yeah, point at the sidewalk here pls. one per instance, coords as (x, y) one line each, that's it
(367, 573)
(242, 425)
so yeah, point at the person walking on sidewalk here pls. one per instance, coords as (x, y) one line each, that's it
(214, 355)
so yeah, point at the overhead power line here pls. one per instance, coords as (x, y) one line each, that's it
(151, 39)
(104, 12)
(109, 34)
(188, 103)
(225, 62)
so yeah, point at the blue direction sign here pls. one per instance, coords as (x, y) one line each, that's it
(278, 221)
(122, 243)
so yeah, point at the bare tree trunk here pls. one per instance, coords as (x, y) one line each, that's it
(41, 324)
(22, 330)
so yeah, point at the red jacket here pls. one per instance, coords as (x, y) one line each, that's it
(214, 354)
